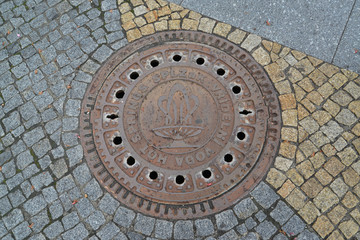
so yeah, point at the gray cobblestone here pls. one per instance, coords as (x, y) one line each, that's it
(41, 180)
(135, 236)
(108, 204)
(124, 217)
(144, 224)
(230, 235)
(30, 171)
(84, 207)
(40, 221)
(58, 152)
(204, 227)
(346, 117)
(42, 147)
(294, 226)
(74, 53)
(54, 230)
(163, 229)
(108, 5)
(65, 184)
(95, 24)
(266, 229)
(183, 230)
(5, 206)
(96, 219)
(245, 208)
(78, 232)
(281, 213)
(9, 169)
(64, 43)
(80, 33)
(20, 70)
(70, 220)
(108, 232)
(8, 140)
(13, 218)
(16, 198)
(306, 235)
(332, 129)
(22, 231)
(93, 190)
(264, 195)
(75, 155)
(250, 223)
(3, 190)
(70, 123)
(39, 236)
(3, 230)
(241, 229)
(56, 209)
(102, 54)
(14, 181)
(35, 205)
(26, 188)
(280, 236)
(226, 220)
(44, 162)
(260, 216)
(50, 194)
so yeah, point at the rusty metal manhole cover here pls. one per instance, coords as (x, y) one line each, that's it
(180, 124)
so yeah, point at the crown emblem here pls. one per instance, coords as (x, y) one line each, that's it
(178, 108)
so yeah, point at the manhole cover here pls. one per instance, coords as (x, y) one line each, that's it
(180, 124)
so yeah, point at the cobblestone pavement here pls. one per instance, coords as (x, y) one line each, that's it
(49, 53)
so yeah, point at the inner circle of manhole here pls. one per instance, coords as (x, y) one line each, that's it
(180, 124)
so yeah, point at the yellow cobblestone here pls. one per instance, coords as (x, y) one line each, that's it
(328, 69)
(184, 12)
(309, 212)
(306, 169)
(237, 36)
(133, 34)
(147, 29)
(174, 7)
(318, 77)
(151, 16)
(308, 105)
(267, 45)
(299, 92)
(286, 189)
(337, 214)
(164, 11)
(175, 15)
(276, 48)
(317, 160)
(315, 98)
(334, 166)
(326, 199)
(338, 80)
(140, 21)
(287, 101)
(335, 235)
(161, 26)
(206, 25)
(331, 107)
(174, 24)
(296, 199)
(295, 177)
(294, 75)
(222, 29)
(306, 84)
(350, 200)
(355, 108)
(356, 215)
(261, 56)
(287, 150)
(289, 134)
(152, 4)
(124, 7)
(321, 117)
(298, 55)
(275, 178)
(290, 118)
(311, 187)
(323, 226)
(127, 17)
(194, 15)
(349, 228)
(275, 73)
(283, 87)
(128, 25)
(190, 24)
(326, 90)
(315, 62)
(351, 177)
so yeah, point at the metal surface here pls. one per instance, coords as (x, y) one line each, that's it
(180, 124)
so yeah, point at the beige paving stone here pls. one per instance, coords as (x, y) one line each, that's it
(328, 69)
(339, 187)
(335, 235)
(184, 12)
(124, 7)
(289, 134)
(282, 164)
(325, 199)
(128, 25)
(349, 228)
(151, 16)
(353, 89)
(290, 118)
(306, 169)
(194, 15)
(356, 167)
(323, 226)
(308, 148)
(140, 10)
(311, 187)
(237, 36)
(342, 98)
(287, 150)
(351, 177)
(326, 90)
(140, 21)
(222, 29)
(338, 80)
(133, 34)
(282, 63)
(319, 139)
(315, 98)
(331, 107)
(174, 7)
(162, 2)
(152, 4)
(334, 166)
(299, 157)
(356, 129)
(309, 124)
(147, 29)
(337, 214)
(251, 42)
(295, 177)
(346, 117)
(175, 15)
(274, 57)
(127, 17)
(261, 56)
(309, 212)
(356, 215)
(283, 87)
(275, 178)
(294, 75)
(304, 66)
(349, 74)
(356, 144)
(286, 188)
(267, 44)
(315, 62)
(206, 25)
(287, 101)
(161, 26)
(350, 200)
(308, 105)
(302, 134)
(290, 59)
(306, 84)
(318, 77)
(296, 199)
(357, 190)
(284, 52)
(164, 11)
(329, 150)
(302, 112)
(136, 2)
(298, 55)
(317, 160)
(299, 92)
(321, 117)
(355, 108)
(347, 156)
(174, 24)
(323, 176)
(348, 136)
(189, 24)
(276, 48)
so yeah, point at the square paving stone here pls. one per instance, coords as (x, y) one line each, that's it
(294, 226)
(124, 217)
(56, 209)
(24, 159)
(183, 230)
(41, 180)
(70, 220)
(54, 230)
(15, 181)
(144, 224)
(5, 206)
(204, 227)
(102, 53)
(3, 230)
(22, 231)
(13, 218)
(96, 220)
(230, 235)
(163, 229)
(78, 232)
(93, 190)
(16, 198)
(250, 223)
(226, 220)
(108, 232)
(264, 195)
(64, 184)
(84, 207)
(35, 205)
(281, 213)
(266, 229)
(260, 216)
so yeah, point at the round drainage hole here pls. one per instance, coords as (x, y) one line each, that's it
(220, 71)
(134, 75)
(236, 89)
(130, 161)
(200, 61)
(112, 116)
(245, 112)
(177, 58)
(206, 173)
(228, 158)
(153, 175)
(120, 94)
(154, 63)
(179, 179)
(241, 135)
(117, 140)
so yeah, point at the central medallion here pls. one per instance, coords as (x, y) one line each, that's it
(175, 128)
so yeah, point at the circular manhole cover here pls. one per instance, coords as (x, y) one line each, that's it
(180, 124)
